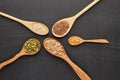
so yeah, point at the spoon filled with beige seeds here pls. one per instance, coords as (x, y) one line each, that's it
(35, 27)
(55, 48)
(30, 47)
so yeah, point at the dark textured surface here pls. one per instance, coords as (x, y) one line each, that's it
(101, 62)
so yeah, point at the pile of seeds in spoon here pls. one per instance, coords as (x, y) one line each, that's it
(32, 46)
(54, 47)
(61, 28)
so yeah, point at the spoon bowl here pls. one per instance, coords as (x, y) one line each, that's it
(35, 27)
(55, 48)
(30, 47)
(63, 26)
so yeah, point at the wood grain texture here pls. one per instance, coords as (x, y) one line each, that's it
(5, 63)
(81, 74)
(97, 41)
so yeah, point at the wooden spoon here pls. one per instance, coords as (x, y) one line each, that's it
(76, 40)
(55, 48)
(36, 27)
(30, 47)
(63, 26)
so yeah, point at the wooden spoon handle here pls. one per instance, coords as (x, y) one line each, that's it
(97, 41)
(86, 8)
(10, 60)
(11, 17)
(82, 75)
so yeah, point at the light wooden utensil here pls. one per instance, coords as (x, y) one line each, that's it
(70, 21)
(55, 48)
(36, 27)
(20, 54)
(76, 40)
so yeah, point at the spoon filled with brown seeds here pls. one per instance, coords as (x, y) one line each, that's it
(55, 48)
(63, 26)
(30, 47)
(76, 40)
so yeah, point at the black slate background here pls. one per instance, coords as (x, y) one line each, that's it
(101, 62)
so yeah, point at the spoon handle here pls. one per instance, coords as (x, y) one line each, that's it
(11, 17)
(82, 75)
(10, 60)
(86, 8)
(97, 41)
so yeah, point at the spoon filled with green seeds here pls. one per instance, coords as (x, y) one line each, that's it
(30, 47)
